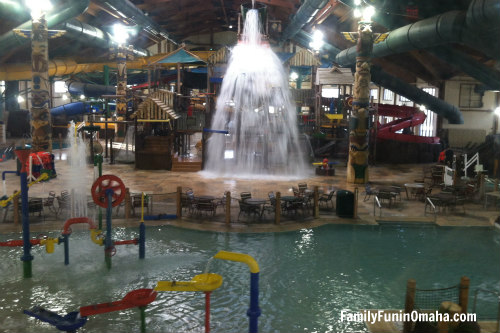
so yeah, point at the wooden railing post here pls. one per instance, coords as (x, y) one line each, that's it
(316, 202)
(128, 203)
(277, 212)
(355, 215)
(228, 207)
(411, 287)
(463, 296)
(178, 202)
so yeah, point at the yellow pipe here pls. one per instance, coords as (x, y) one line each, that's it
(94, 236)
(61, 67)
(153, 120)
(240, 257)
(201, 282)
(4, 203)
(49, 244)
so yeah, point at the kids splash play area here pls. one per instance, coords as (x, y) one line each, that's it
(264, 166)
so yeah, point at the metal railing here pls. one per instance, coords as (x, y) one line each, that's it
(428, 202)
(490, 292)
(376, 202)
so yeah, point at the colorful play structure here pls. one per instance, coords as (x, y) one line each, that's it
(141, 298)
(108, 191)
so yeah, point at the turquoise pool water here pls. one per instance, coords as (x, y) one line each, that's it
(307, 277)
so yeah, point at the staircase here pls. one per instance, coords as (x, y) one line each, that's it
(185, 165)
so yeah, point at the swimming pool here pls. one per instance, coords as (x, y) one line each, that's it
(307, 277)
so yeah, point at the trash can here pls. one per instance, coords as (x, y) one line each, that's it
(345, 203)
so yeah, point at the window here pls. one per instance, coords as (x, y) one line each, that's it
(430, 91)
(330, 92)
(469, 98)
(388, 95)
(374, 93)
(428, 128)
(60, 87)
(403, 99)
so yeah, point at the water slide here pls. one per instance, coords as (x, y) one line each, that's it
(408, 117)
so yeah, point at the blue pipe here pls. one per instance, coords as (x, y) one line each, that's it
(5, 172)
(65, 239)
(142, 240)
(27, 257)
(70, 109)
(208, 130)
(254, 312)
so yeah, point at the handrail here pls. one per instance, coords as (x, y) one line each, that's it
(428, 200)
(468, 163)
(377, 201)
(495, 293)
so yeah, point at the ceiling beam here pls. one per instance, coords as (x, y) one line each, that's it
(279, 3)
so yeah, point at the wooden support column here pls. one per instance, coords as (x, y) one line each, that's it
(228, 207)
(178, 202)
(463, 296)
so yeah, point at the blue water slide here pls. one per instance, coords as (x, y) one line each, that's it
(70, 109)
(89, 89)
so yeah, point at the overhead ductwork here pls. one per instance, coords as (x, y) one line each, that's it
(131, 13)
(73, 8)
(92, 35)
(304, 15)
(438, 106)
(451, 27)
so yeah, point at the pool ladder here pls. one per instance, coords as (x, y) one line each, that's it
(376, 203)
(494, 293)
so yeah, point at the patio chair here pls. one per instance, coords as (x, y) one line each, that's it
(326, 198)
(49, 202)
(369, 191)
(206, 206)
(247, 209)
(245, 195)
(302, 188)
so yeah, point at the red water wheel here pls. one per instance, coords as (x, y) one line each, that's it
(104, 183)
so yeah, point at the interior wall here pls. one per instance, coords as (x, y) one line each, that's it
(478, 122)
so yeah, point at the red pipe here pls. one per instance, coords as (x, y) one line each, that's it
(134, 241)
(19, 242)
(75, 220)
(207, 311)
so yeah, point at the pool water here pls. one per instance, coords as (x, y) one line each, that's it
(307, 277)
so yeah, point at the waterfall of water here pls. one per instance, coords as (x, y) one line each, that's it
(256, 107)
(78, 185)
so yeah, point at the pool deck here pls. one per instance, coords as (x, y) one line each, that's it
(404, 211)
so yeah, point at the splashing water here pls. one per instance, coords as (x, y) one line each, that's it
(256, 107)
(78, 187)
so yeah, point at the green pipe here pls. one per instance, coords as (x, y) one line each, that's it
(142, 309)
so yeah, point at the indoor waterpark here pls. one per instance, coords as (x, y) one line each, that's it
(314, 166)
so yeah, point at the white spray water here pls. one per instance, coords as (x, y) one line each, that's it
(78, 186)
(256, 107)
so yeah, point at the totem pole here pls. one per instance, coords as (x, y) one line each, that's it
(357, 165)
(121, 54)
(41, 125)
